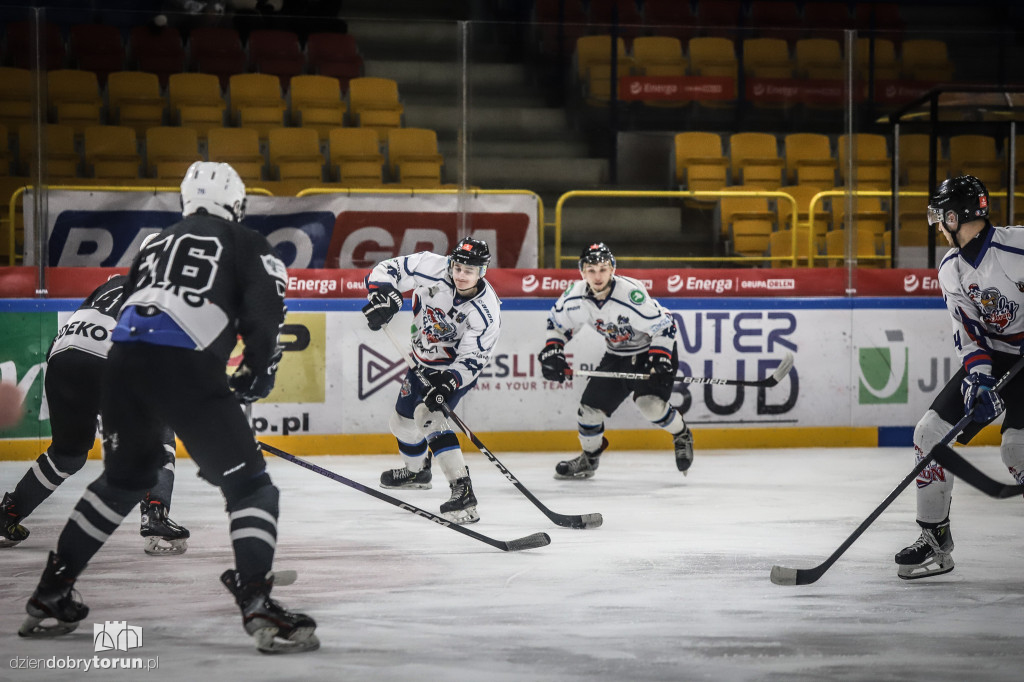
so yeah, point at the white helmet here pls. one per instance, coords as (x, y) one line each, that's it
(214, 187)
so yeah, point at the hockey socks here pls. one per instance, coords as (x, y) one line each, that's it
(254, 531)
(97, 515)
(43, 477)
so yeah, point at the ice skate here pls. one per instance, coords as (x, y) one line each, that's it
(275, 629)
(683, 443)
(403, 478)
(11, 530)
(461, 508)
(163, 537)
(930, 555)
(584, 466)
(54, 598)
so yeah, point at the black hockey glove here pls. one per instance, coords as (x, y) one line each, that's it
(552, 362)
(249, 386)
(659, 362)
(443, 386)
(979, 396)
(384, 303)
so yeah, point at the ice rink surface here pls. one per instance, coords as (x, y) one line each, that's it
(674, 586)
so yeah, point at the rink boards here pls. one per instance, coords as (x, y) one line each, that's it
(865, 370)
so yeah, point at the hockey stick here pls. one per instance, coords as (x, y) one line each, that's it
(528, 542)
(780, 372)
(972, 476)
(805, 576)
(564, 520)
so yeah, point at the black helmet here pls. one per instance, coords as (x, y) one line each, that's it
(471, 251)
(965, 196)
(596, 253)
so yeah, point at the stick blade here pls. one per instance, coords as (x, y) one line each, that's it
(784, 576)
(591, 520)
(783, 369)
(529, 542)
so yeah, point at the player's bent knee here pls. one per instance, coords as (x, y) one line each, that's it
(930, 430)
(429, 423)
(588, 415)
(237, 493)
(652, 407)
(404, 429)
(66, 463)
(1012, 452)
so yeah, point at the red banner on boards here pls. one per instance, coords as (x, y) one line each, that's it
(20, 282)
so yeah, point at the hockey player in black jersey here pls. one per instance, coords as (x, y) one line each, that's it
(640, 337)
(74, 365)
(199, 284)
(982, 280)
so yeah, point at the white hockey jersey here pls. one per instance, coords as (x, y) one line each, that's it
(630, 320)
(448, 331)
(984, 297)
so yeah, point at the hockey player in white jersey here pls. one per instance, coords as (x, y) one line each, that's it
(640, 337)
(456, 323)
(982, 280)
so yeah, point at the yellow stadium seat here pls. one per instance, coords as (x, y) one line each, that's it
(316, 103)
(767, 58)
(819, 59)
(926, 60)
(256, 102)
(886, 66)
(713, 56)
(872, 165)
(699, 162)
(976, 155)
(15, 96)
(196, 101)
(111, 152)
(170, 151)
(658, 56)
(61, 159)
(74, 98)
(866, 248)
(240, 147)
(355, 157)
(913, 222)
(373, 103)
(413, 158)
(867, 215)
(803, 194)
(295, 154)
(914, 162)
(755, 160)
(135, 101)
(747, 222)
(809, 160)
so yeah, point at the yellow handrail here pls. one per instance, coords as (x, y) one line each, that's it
(676, 194)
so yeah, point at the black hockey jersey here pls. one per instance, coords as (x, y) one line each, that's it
(89, 328)
(202, 282)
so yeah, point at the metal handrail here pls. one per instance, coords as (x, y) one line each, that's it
(676, 194)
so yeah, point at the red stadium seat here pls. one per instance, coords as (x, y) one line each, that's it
(21, 45)
(276, 53)
(157, 50)
(217, 51)
(97, 48)
(336, 55)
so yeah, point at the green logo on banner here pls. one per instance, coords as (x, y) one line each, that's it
(22, 360)
(885, 373)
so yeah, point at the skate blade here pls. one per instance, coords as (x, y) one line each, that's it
(4, 542)
(411, 486)
(300, 641)
(155, 546)
(570, 477)
(926, 570)
(462, 517)
(284, 577)
(33, 628)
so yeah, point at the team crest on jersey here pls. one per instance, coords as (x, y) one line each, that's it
(996, 310)
(616, 332)
(436, 327)
(637, 296)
